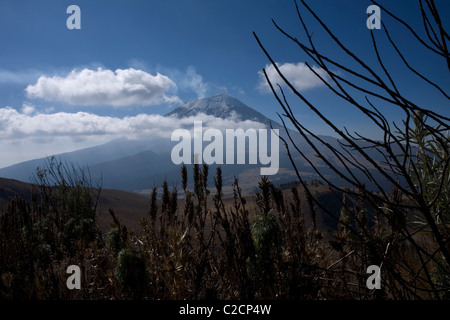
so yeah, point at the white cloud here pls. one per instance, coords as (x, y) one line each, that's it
(123, 87)
(28, 134)
(28, 108)
(20, 126)
(298, 74)
(189, 80)
(195, 81)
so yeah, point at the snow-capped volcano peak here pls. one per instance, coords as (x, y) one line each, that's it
(220, 106)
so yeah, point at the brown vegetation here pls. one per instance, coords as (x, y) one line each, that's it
(199, 248)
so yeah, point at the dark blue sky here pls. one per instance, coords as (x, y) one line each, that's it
(199, 47)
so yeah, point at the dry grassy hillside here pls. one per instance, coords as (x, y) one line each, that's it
(130, 207)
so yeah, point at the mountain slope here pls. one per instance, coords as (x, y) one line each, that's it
(10, 187)
(135, 172)
(128, 206)
(109, 151)
(135, 165)
(220, 106)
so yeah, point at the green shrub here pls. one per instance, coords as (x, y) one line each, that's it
(131, 273)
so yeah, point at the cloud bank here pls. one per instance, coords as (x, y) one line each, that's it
(298, 74)
(32, 126)
(123, 87)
